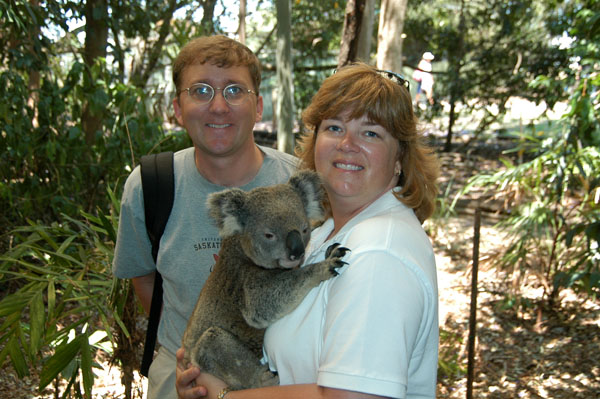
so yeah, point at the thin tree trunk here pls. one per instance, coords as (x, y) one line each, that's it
(455, 59)
(366, 32)
(242, 22)
(33, 84)
(96, 40)
(285, 82)
(452, 118)
(389, 36)
(207, 24)
(351, 33)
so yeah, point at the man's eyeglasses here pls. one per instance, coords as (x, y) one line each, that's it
(396, 77)
(203, 93)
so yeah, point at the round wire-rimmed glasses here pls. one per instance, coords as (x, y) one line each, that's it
(203, 93)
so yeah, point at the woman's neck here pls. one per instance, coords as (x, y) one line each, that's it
(342, 215)
(344, 211)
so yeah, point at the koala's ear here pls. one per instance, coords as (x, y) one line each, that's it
(308, 185)
(228, 209)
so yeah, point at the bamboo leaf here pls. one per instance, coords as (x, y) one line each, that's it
(51, 297)
(15, 303)
(110, 229)
(66, 243)
(17, 358)
(37, 321)
(3, 352)
(61, 359)
(86, 366)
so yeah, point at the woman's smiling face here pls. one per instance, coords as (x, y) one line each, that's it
(357, 158)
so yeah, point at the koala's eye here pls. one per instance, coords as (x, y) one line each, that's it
(269, 236)
(305, 231)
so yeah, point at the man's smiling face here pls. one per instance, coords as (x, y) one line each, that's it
(218, 128)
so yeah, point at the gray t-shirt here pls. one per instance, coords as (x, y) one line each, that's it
(190, 242)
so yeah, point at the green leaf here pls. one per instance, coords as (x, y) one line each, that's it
(63, 356)
(37, 321)
(51, 297)
(15, 302)
(86, 366)
(110, 230)
(17, 358)
(3, 353)
(66, 244)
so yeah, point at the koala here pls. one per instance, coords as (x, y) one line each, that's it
(257, 278)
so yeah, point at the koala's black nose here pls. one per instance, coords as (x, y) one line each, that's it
(294, 245)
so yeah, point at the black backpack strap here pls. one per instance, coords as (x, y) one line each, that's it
(159, 192)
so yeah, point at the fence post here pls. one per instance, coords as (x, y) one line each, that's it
(473, 310)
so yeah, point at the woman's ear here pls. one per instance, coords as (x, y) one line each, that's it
(398, 168)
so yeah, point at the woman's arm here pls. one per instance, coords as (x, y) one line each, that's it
(192, 384)
(306, 391)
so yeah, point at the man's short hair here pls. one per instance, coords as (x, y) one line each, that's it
(217, 50)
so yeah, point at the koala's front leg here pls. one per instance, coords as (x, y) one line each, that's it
(222, 354)
(277, 293)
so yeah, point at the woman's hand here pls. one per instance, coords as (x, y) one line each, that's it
(185, 379)
(191, 383)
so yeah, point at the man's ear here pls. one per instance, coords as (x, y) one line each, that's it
(259, 109)
(177, 110)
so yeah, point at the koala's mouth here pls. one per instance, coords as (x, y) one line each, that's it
(290, 264)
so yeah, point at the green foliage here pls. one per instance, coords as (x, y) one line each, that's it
(59, 316)
(487, 52)
(316, 35)
(45, 162)
(554, 198)
(449, 367)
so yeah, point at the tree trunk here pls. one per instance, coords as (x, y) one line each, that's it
(452, 118)
(242, 22)
(33, 84)
(207, 25)
(143, 70)
(366, 32)
(285, 82)
(454, 61)
(351, 33)
(389, 36)
(96, 40)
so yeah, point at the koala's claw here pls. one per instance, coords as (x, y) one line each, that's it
(336, 251)
(338, 264)
(330, 249)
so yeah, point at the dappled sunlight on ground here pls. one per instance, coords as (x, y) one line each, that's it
(531, 352)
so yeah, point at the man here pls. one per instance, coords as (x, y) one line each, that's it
(217, 81)
(424, 78)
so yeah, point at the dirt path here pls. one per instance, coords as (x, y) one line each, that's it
(516, 357)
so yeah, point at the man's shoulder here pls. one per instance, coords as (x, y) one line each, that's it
(279, 157)
(277, 168)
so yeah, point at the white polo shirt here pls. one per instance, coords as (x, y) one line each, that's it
(373, 328)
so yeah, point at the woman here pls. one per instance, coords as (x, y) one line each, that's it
(371, 332)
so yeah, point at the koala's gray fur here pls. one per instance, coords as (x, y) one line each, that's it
(256, 279)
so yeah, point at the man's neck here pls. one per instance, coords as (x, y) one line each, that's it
(231, 170)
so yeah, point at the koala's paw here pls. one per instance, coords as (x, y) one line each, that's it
(269, 379)
(334, 255)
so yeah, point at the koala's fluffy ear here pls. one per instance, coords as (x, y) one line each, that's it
(308, 185)
(228, 209)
